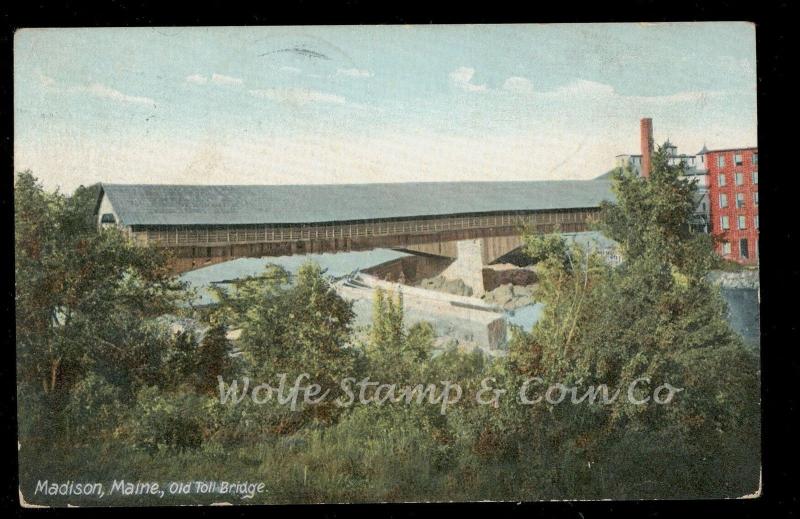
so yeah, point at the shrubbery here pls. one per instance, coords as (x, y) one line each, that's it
(105, 391)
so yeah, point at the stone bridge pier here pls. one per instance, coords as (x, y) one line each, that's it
(471, 256)
(468, 265)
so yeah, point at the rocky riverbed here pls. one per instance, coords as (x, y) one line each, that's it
(507, 296)
(511, 297)
(450, 286)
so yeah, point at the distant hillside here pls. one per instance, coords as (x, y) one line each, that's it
(606, 175)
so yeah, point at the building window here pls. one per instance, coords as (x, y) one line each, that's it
(742, 222)
(723, 200)
(743, 252)
(721, 180)
(739, 179)
(755, 221)
(726, 247)
(724, 223)
(739, 200)
(755, 198)
(755, 177)
(755, 158)
(720, 161)
(737, 159)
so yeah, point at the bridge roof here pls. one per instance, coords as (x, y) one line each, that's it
(154, 204)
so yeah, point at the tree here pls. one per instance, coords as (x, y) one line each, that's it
(293, 325)
(656, 315)
(75, 288)
(653, 217)
(395, 351)
(212, 360)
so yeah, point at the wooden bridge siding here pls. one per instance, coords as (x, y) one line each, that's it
(500, 246)
(204, 236)
(196, 248)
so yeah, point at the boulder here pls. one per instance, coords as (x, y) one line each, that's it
(451, 286)
(503, 293)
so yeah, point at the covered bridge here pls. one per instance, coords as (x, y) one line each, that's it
(207, 224)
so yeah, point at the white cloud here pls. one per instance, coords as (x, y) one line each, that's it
(462, 78)
(217, 79)
(94, 89)
(105, 92)
(578, 89)
(197, 79)
(680, 97)
(519, 85)
(587, 91)
(220, 79)
(298, 96)
(583, 88)
(354, 72)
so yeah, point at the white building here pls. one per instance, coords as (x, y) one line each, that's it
(695, 168)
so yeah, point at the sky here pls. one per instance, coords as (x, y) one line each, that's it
(350, 104)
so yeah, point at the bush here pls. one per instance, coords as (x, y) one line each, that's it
(94, 408)
(168, 421)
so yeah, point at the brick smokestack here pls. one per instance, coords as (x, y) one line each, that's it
(646, 127)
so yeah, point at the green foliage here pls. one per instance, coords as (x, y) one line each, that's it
(654, 316)
(94, 408)
(294, 328)
(168, 421)
(212, 360)
(78, 291)
(185, 361)
(547, 248)
(105, 388)
(727, 265)
(393, 351)
(652, 217)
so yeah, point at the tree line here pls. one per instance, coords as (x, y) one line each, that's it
(104, 387)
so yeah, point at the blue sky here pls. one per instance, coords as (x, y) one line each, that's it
(266, 105)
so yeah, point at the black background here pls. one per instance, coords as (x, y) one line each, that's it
(779, 154)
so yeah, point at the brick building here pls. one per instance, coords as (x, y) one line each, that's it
(727, 184)
(733, 195)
